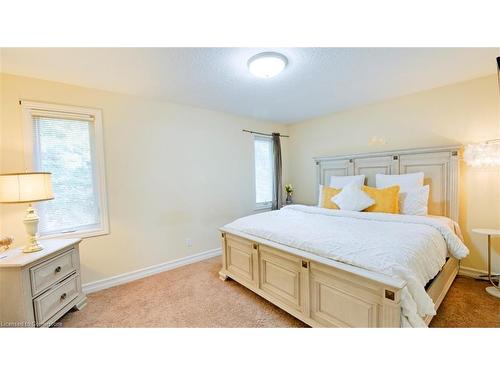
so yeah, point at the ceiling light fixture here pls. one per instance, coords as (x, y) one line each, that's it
(267, 64)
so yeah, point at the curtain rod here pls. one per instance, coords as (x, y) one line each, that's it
(269, 135)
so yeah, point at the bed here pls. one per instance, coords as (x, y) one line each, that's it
(332, 268)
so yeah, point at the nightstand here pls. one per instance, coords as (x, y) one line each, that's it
(493, 290)
(36, 289)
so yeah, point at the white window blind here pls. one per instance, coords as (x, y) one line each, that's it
(64, 145)
(264, 171)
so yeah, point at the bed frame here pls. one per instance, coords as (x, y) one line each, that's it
(325, 293)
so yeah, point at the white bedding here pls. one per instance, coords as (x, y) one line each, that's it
(412, 248)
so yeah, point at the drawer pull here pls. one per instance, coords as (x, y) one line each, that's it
(58, 269)
(63, 296)
(389, 294)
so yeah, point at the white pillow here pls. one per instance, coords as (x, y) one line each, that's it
(352, 198)
(405, 181)
(414, 201)
(338, 182)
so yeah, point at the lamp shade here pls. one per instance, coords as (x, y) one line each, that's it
(25, 187)
(486, 154)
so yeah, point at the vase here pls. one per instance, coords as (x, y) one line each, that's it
(288, 198)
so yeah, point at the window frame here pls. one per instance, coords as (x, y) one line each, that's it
(27, 108)
(262, 205)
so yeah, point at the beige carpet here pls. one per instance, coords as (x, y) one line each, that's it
(193, 296)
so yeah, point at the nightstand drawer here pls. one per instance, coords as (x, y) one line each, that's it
(50, 272)
(55, 299)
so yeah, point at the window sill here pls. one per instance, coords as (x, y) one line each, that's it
(77, 234)
(262, 208)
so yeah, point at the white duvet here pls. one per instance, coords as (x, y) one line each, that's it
(412, 248)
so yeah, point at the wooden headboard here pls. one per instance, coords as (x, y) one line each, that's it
(439, 164)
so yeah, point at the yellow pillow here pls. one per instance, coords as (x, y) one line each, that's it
(327, 193)
(386, 200)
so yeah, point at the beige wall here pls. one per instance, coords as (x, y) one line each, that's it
(177, 172)
(456, 114)
(173, 172)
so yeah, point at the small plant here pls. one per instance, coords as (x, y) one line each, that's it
(5, 242)
(289, 189)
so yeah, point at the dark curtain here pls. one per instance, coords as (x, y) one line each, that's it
(498, 73)
(277, 187)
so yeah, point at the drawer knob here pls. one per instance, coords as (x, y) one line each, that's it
(58, 269)
(63, 296)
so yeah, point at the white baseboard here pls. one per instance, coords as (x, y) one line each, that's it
(471, 272)
(148, 271)
(152, 270)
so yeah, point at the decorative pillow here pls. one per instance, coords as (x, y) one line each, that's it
(414, 201)
(338, 182)
(404, 181)
(325, 197)
(352, 198)
(386, 200)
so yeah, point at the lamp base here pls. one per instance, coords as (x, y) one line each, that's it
(32, 248)
(31, 223)
(493, 291)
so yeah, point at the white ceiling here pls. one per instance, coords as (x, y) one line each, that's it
(317, 81)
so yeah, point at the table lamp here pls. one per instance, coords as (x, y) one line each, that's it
(27, 188)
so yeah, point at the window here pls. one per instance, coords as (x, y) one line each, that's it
(67, 142)
(264, 171)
